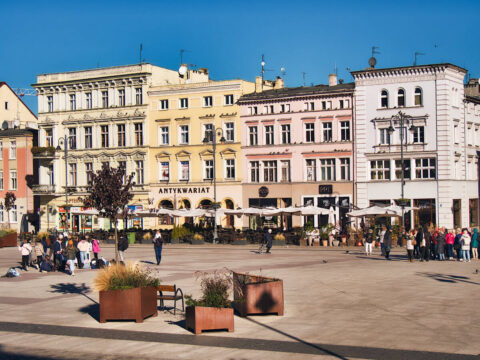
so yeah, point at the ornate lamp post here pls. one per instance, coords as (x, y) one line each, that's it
(212, 138)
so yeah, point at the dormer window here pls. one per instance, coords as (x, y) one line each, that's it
(401, 98)
(384, 99)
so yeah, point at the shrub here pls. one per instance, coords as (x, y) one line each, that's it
(122, 277)
(198, 237)
(147, 236)
(180, 232)
(279, 237)
(215, 288)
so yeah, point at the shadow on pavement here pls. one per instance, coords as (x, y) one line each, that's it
(453, 279)
(72, 288)
(93, 310)
(393, 257)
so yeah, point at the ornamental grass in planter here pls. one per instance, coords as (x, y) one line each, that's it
(213, 310)
(127, 292)
(279, 240)
(198, 239)
(255, 294)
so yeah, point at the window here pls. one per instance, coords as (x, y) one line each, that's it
(13, 150)
(341, 104)
(104, 135)
(1, 180)
(138, 134)
(285, 171)
(254, 171)
(88, 137)
(208, 132)
(311, 169)
(13, 214)
(456, 132)
(284, 108)
(253, 135)
(163, 104)
(384, 99)
(345, 130)
(105, 99)
(183, 134)
(73, 102)
(164, 171)
(324, 105)
(138, 96)
(268, 134)
(121, 97)
(51, 175)
(207, 101)
(345, 169)
(13, 180)
(72, 138)
(230, 169)
(72, 171)
(50, 103)
(89, 171)
(327, 131)
(208, 170)
(184, 170)
(270, 171)
(309, 106)
(286, 134)
(406, 169)
(6, 105)
(121, 138)
(384, 137)
(425, 168)
(253, 110)
(229, 99)
(268, 109)
(105, 164)
(401, 98)
(309, 132)
(183, 103)
(88, 100)
(48, 137)
(419, 135)
(327, 168)
(139, 171)
(380, 170)
(418, 97)
(230, 131)
(123, 165)
(164, 135)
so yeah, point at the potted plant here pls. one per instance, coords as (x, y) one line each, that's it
(279, 240)
(127, 292)
(198, 239)
(324, 236)
(213, 310)
(147, 238)
(8, 238)
(239, 238)
(255, 294)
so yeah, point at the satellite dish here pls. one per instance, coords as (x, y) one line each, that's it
(16, 124)
(4, 125)
(183, 70)
(372, 62)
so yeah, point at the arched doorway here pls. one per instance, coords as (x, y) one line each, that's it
(185, 204)
(165, 219)
(209, 221)
(206, 204)
(230, 218)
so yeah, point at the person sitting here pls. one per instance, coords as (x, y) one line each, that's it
(46, 265)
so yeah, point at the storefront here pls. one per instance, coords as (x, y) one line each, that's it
(71, 219)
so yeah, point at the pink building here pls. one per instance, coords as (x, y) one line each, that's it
(297, 149)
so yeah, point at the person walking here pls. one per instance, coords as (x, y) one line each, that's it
(122, 246)
(369, 242)
(157, 246)
(423, 239)
(449, 240)
(39, 252)
(475, 244)
(465, 242)
(387, 242)
(410, 245)
(456, 245)
(268, 240)
(25, 250)
(83, 247)
(95, 248)
(441, 242)
(381, 235)
(71, 254)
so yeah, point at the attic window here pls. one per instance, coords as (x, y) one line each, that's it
(6, 105)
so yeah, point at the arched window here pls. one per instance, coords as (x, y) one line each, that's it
(384, 99)
(418, 97)
(401, 98)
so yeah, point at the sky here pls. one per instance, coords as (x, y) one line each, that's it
(229, 37)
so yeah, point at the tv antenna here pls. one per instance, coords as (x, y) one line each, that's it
(372, 61)
(416, 55)
(181, 55)
(303, 74)
(140, 54)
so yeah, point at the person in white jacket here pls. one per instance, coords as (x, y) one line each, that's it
(465, 241)
(25, 250)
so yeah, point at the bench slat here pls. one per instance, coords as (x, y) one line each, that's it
(166, 288)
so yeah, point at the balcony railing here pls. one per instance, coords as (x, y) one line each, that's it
(43, 189)
(41, 152)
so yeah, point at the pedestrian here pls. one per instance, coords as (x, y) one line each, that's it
(449, 240)
(457, 245)
(441, 242)
(268, 240)
(387, 242)
(381, 235)
(57, 252)
(465, 242)
(157, 246)
(369, 242)
(39, 252)
(122, 246)
(475, 244)
(71, 254)
(25, 250)
(410, 245)
(423, 239)
(95, 248)
(46, 265)
(83, 247)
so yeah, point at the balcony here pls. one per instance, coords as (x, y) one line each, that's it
(43, 189)
(43, 152)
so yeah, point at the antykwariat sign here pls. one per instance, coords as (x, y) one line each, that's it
(185, 190)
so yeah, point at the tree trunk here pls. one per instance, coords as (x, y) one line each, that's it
(116, 241)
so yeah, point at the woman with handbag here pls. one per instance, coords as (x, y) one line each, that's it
(411, 242)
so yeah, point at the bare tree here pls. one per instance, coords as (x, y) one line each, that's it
(10, 199)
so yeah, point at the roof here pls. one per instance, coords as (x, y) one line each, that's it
(474, 99)
(374, 70)
(15, 132)
(4, 83)
(299, 91)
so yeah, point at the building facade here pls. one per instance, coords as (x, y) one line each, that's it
(297, 149)
(425, 109)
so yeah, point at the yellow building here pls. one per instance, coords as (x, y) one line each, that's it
(181, 165)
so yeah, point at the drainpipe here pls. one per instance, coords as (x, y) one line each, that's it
(437, 205)
(354, 178)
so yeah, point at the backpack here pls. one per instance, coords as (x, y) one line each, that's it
(12, 272)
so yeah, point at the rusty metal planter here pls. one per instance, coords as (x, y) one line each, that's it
(9, 240)
(199, 318)
(131, 304)
(257, 294)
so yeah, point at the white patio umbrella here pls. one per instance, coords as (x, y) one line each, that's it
(398, 209)
(373, 211)
(188, 213)
(145, 213)
(238, 211)
(253, 211)
(164, 211)
(331, 215)
(312, 210)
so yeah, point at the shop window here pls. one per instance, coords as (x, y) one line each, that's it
(380, 170)
(406, 169)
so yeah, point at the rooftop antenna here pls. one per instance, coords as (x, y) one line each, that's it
(263, 70)
(416, 55)
(181, 55)
(303, 74)
(140, 55)
(372, 61)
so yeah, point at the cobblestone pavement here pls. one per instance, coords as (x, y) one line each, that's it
(339, 304)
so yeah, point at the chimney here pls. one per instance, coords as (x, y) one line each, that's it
(258, 84)
(332, 79)
(279, 84)
(203, 71)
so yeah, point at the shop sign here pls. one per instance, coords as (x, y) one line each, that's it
(185, 190)
(263, 191)
(325, 189)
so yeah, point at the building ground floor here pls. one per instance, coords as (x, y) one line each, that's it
(20, 217)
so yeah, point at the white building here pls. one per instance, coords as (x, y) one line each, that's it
(441, 140)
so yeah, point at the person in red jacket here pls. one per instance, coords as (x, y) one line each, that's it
(450, 240)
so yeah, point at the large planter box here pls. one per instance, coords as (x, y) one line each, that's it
(257, 294)
(278, 242)
(199, 318)
(198, 242)
(132, 304)
(9, 240)
(239, 242)
(175, 241)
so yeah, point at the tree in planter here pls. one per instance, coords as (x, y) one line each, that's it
(109, 192)
(10, 199)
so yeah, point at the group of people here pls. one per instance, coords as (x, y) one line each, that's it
(427, 244)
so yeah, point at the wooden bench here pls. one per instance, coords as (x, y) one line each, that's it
(177, 294)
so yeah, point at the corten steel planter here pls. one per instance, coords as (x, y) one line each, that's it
(9, 240)
(199, 318)
(257, 294)
(131, 304)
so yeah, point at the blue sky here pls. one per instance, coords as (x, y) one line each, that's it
(230, 37)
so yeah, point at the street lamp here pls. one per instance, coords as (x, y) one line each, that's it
(404, 120)
(212, 138)
(64, 142)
